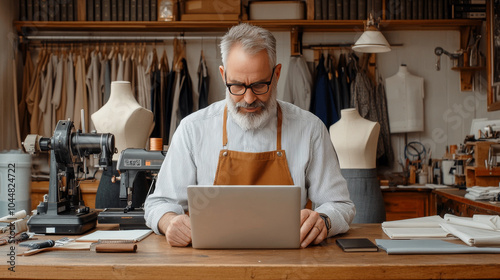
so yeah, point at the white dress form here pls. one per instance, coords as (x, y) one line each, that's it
(355, 140)
(122, 116)
(405, 101)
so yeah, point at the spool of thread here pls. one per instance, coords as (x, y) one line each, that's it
(155, 144)
(453, 149)
(422, 178)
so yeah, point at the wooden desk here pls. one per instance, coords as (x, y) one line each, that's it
(156, 260)
(407, 203)
(452, 201)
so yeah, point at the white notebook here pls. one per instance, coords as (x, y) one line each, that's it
(134, 235)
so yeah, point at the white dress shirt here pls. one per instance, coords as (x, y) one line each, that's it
(299, 83)
(193, 156)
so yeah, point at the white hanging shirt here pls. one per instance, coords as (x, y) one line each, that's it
(405, 101)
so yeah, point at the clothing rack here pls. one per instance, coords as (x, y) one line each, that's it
(328, 46)
(113, 38)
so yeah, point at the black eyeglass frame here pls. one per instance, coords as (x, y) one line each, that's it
(249, 86)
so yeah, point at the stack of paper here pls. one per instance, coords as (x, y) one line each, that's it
(417, 228)
(482, 193)
(480, 230)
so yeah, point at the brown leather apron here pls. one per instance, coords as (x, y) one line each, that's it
(242, 168)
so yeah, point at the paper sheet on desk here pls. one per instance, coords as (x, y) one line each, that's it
(422, 222)
(474, 236)
(416, 233)
(490, 222)
(134, 235)
(430, 246)
(416, 228)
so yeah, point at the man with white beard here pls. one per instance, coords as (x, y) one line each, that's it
(220, 145)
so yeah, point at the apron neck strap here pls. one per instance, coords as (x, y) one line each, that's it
(278, 136)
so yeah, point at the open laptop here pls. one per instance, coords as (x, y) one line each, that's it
(240, 216)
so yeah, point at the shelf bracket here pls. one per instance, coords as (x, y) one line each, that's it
(295, 41)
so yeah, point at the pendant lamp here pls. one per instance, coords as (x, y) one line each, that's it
(372, 40)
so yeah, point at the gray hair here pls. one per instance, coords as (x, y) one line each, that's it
(253, 40)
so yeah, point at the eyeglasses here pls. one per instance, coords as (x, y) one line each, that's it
(258, 88)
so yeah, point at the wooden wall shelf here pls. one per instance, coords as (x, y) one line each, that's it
(275, 25)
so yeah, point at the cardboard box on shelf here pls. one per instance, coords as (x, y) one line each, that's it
(209, 17)
(266, 10)
(211, 6)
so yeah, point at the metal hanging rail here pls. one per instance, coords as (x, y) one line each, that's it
(113, 38)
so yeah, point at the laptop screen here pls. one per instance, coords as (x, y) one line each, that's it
(241, 216)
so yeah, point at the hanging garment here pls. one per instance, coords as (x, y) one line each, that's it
(140, 85)
(70, 88)
(174, 117)
(57, 94)
(61, 111)
(28, 73)
(102, 79)
(113, 58)
(127, 71)
(299, 83)
(203, 82)
(34, 95)
(107, 81)
(385, 156)
(186, 92)
(243, 168)
(80, 92)
(352, 67)
(345, 90)
(121, 68)
(45, 106)
(365, 193)
(405, 99)
(362, 95)
(133, 73)
(170, 83)
(155, 85)
(322, 104)
(333, 81)
(147, 80)
(93, 89)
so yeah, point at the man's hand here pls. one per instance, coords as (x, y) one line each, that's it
(312, 228)
(177, 229)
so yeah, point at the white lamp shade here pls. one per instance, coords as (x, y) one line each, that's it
(372, 41)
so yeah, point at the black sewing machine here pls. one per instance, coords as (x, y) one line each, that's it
(64, 211)
(131, 163)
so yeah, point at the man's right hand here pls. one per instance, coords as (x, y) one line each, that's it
(177, 229)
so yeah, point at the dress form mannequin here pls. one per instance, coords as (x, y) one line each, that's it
(355, 140)
(131, 125)
(405, 101)
(122, 116)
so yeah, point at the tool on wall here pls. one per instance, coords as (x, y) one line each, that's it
(440, 51)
